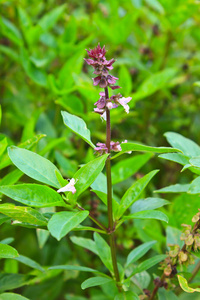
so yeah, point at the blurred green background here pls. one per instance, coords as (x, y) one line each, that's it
(42, 46)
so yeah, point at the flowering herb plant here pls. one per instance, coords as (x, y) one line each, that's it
(120, 276)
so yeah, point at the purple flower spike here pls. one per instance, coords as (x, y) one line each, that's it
(97, 52)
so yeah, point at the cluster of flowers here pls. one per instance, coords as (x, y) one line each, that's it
(114, 146)
(101, 67)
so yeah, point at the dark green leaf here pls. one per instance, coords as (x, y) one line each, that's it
(7, 251)
(148, 214)
(29, 262)
(95, 281)
(104, 255)
(138, 252)
(148, 204)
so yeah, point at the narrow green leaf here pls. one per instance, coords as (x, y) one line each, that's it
(148, 214)
(12, 281)
(7, 251)
(12, 296)
(138, 252)
(85, 243)
(103, 197)
(184, 285)
(95, 281)
(187, 146)
(78, 126)
(127, 167)
(73, 267)
(134, 192)
(148, 204)
(50, 18)
(63, 222)
(104, 255)
(33, 195)
(34, 165)
(3, 145)
(42, 236)
(11, 177)
(147, 264)
(23, 214)
(194, 187)
(10, 31)
(175, 188)
(29, 262)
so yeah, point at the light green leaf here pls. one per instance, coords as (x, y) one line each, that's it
(11, 177)
(147, 264)
(134, 192)
(127, 296)
(34, 165)
(187, 146)
(138, 252)
(155, 4)
(194, 187)
(78, 126)
(86, 175)
(195, 161)
(42, 236)
(12, 296)
(3, 145)
(176, 157)
(10, 31)
(184, 285)
(29, 262)
(126, 147)
(155, 82)
(175, 188)
(104, 255)
(127, 167)
(148, 204)
(50, 18)
(148, 214)
(12, 281)
(23, 214)
(85, 243)
(63, 222)
(95, 281)
(164, 294)
(7, 251)
(33, 195)
(100, 183)
(73, 267)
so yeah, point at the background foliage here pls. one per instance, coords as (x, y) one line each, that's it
(42, 45)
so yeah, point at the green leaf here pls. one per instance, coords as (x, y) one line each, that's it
(50, 18)
(100, 183)
(29, 262)
(134, 192)
(85, 243)
(103, 197)
(138, 252)
(195, 161)
(95, 281)
(155, 4)
(166, 295)
(7, 251)
(127, 296)
(73, 267)
(3, 219)
(155, 82)
(86, 175)
(34, 165)
(33, 195)
(11, 177)
(10, 31)
(126, 147)
(42, 236)
(184, 285)
(23, 214)
(148, 214)
(104, 255)
(12, 296)
(194, 187)
(148, 204)
(78, 126)
(147, 264)
(187, 146)
(175, 188)
(176, 157)
(127, 167)
(3, 145)
(63, 222)
(12, 281)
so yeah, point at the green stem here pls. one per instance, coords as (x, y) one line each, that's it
(109, 198)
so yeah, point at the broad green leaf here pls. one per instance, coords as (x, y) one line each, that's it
(138, 252)
(10, 281)
(29, 262)
(85, 243)
(7, 240)
(104, 255)
(34, 165)
(147, 264)
(7, 251)
(33, 195)
(175, 188)
(126, 147)
(103, 197)
(50, 18)
(155, 82)
(95, 281)
(73, 267)
(148, 214)
(10, 31)
(176, 157)
(148, 204)
(195, 161)
(12, 296)
(100, 183)
(78, 126)
(184, 285)
(63, 222)
(3, 145)
(134, 192)
(127, 296)
(194, 187)
(127, 167)
(187, 146)
(86, 175)
(164, 294)
(23, 214)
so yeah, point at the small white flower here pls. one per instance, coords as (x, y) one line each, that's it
(103, 116)
(109, 105)
(123, 101)
(69, 187)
